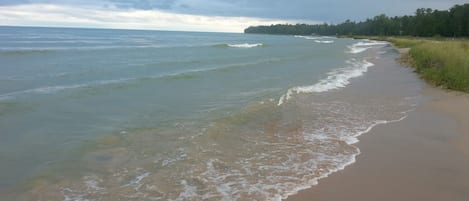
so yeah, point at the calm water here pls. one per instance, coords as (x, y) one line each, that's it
(148, 115)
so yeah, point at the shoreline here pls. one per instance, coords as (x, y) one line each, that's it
(423, 157)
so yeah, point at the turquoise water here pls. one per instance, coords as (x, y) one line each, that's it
(89, 114)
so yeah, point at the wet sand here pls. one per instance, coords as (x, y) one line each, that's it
(423, 157)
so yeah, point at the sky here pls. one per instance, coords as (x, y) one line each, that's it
(201, 15)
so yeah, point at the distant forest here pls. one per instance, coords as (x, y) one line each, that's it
(425, 23)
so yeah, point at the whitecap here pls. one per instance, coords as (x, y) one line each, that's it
(245, 45)
(356, 50)
(316, 38)
(364, 45)
(307, 37)
(324, 41)
(337, 78)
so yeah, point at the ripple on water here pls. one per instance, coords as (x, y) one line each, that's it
(264, 152)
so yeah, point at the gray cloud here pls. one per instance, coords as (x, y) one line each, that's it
(320, 10)
(144, 4)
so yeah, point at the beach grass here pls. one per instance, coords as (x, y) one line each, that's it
(444, 63)
(441, 61)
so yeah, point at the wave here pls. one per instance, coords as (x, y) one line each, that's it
(341, 165)
(324, 41)
(317, 39)
(356, 50)
(51, 49)
(61, 42)
(313, 37)
(58, 88)
(71, 48)
(30, 50)
(173, 75)
(308, 37)
(338, 78)
(38, 75)
(371, 43)
(261, 167)
(364, 45)
(245, 45)
(24, 51)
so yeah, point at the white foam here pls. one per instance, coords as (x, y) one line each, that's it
(245, 45)
(70, 195)
(225, 180)
(314, 182)
(371, 43)
(324, 41)
(308, 37)
(338, 78)
(92, 183)
(351, 140)
(364, 45)
(136, 182)
(181, 155)
(316, 38)
(188, 193)
(356, 50)
(354, 138)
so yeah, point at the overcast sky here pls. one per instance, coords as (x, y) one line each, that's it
(200, 15)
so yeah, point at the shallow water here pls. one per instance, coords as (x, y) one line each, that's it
(147, 115)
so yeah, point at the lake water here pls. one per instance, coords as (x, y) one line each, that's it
(94, 114)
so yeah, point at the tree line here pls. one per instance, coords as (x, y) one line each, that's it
(425, 23)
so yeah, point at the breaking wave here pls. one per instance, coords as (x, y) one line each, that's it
(317, 39)
(364, 45)
(245, 45)
(308, 37)
(313, 37)
(237, 158)
(324, 41)
(337, 78)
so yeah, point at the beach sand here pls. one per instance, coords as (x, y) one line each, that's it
(423, 157)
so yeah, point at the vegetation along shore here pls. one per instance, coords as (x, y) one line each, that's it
(442, 62)
(436, 44)
(437, 40)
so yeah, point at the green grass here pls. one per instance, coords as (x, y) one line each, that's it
(440, 61)
(444, 63)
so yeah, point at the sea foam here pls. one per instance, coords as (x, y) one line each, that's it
(324, 41)
(317, 39)
(307, 37)
(245, 45)
(336, 79)
(313, 37)
(364, 45)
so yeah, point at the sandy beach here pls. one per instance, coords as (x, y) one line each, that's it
(423, 157)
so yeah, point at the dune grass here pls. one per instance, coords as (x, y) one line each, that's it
(440, 61)
(444, 63)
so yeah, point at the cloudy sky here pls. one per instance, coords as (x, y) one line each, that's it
(200, 15)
